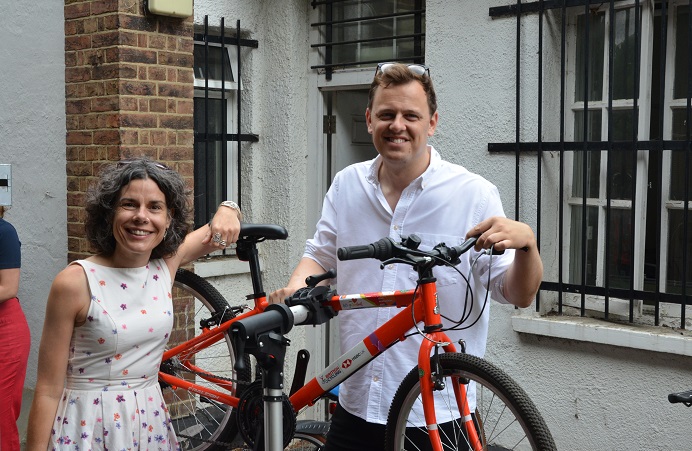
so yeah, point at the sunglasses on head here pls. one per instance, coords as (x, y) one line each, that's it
(418, 69)
(162, 166)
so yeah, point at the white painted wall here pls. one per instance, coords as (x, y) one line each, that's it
(32, 140)
(32, 137)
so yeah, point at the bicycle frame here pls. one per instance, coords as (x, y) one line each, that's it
(351, 361)
(423, 302)
(419, 305)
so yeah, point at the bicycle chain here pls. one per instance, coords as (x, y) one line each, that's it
(176, 365)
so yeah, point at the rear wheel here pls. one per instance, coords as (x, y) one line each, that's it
(306, 442)
(505, 417)
(201, 423)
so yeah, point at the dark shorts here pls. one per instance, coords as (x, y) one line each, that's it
(351, 433)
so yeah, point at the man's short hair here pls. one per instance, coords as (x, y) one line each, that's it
(399, 74)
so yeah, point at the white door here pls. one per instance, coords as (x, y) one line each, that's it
(350, 143)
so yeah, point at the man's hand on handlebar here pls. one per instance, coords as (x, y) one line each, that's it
(306, 267)
(503, 234)
(278, 296)
(523, 278)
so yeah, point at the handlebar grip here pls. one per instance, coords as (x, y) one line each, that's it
(380, 250)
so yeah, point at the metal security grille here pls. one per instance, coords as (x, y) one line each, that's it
(212, 136)
(609, 137)
(356, 33)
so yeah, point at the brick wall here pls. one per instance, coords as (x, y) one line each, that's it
(128, 92)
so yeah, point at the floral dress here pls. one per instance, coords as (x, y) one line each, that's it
(112, 399)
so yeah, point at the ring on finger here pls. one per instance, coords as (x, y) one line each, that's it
(222, 242)
(216, 238)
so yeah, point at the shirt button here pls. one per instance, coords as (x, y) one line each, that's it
(376, 378)
(396, 227)
(390, 266)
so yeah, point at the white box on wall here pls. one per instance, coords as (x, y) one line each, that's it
(5, 184)
(171, 8)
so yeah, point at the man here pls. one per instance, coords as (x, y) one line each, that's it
(408, 189)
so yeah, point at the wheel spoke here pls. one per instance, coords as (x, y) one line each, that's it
(200, 423)
(503, 415)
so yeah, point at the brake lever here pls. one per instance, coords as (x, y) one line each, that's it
(412, 260)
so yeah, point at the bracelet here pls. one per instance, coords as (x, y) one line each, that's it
(233, 206)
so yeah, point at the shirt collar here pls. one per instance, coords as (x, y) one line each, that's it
(435, 160)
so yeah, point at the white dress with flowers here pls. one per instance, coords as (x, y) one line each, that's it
(112, 400)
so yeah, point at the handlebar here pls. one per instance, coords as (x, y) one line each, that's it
(308, 305)
(682, 397)
(387, 249)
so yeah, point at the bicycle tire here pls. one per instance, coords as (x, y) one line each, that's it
(201, 423)
(508, 417)
(299, 442)
(306, 442)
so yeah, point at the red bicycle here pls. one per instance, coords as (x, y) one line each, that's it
(483, 408)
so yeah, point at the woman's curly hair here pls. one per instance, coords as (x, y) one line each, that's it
(102, 198)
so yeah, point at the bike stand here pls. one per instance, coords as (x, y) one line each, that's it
(263, 337)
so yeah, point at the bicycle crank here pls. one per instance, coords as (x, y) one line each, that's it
(250, 416)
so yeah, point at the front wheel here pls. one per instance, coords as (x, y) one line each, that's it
(201, 423)
(505, 418)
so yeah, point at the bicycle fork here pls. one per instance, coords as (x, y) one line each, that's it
(431, 380)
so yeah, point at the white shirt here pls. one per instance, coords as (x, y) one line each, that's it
(441, 205)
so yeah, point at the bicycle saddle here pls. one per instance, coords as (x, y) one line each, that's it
(260, 232)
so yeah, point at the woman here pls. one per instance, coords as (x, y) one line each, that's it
(109, 316)
(14, 337)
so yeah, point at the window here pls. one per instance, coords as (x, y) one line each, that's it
(625, 167)
(677, 193)
(616, 188)
(215, 115)
(605, 191)
(361, 33)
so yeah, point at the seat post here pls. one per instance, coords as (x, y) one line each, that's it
(246, 250)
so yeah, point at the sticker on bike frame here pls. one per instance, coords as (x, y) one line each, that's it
(378, 299)
(344, 366)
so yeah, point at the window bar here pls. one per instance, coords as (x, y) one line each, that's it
(587, 38)
(224, 114)
(316, 3)
(539, 156)
(329, 37)
(635, 137)
(418, 30)
(517, 108)
(532, 7)
(414, 58)
(417, 42)
(329, 22)
(207, 180)
(238, 115)
(561, 204)
(685, 217)
(609, 152)
(659, 198)
(330, 141)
